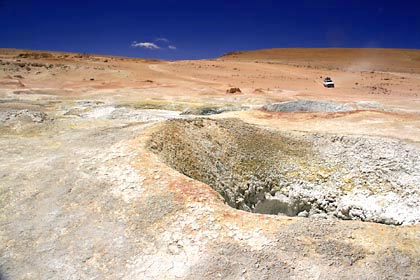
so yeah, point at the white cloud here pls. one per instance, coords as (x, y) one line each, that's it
(162, 40)
(153, 46)
(147, 45)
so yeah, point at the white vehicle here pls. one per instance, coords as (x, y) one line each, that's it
(328, 82)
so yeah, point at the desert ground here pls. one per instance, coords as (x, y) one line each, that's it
(124, 168)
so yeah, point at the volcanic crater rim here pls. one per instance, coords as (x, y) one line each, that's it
(350, 177)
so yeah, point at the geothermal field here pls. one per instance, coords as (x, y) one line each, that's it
(239, 167)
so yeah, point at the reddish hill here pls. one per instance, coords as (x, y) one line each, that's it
(396, 60)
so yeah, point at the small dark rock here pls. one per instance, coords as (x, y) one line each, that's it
(233, 90)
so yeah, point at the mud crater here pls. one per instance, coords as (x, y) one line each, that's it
(296, 173)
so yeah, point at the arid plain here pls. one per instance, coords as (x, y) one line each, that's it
(123, 168)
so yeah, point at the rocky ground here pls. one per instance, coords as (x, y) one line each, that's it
(109, 170)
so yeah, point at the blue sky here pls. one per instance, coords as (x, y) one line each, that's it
(204, 29)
